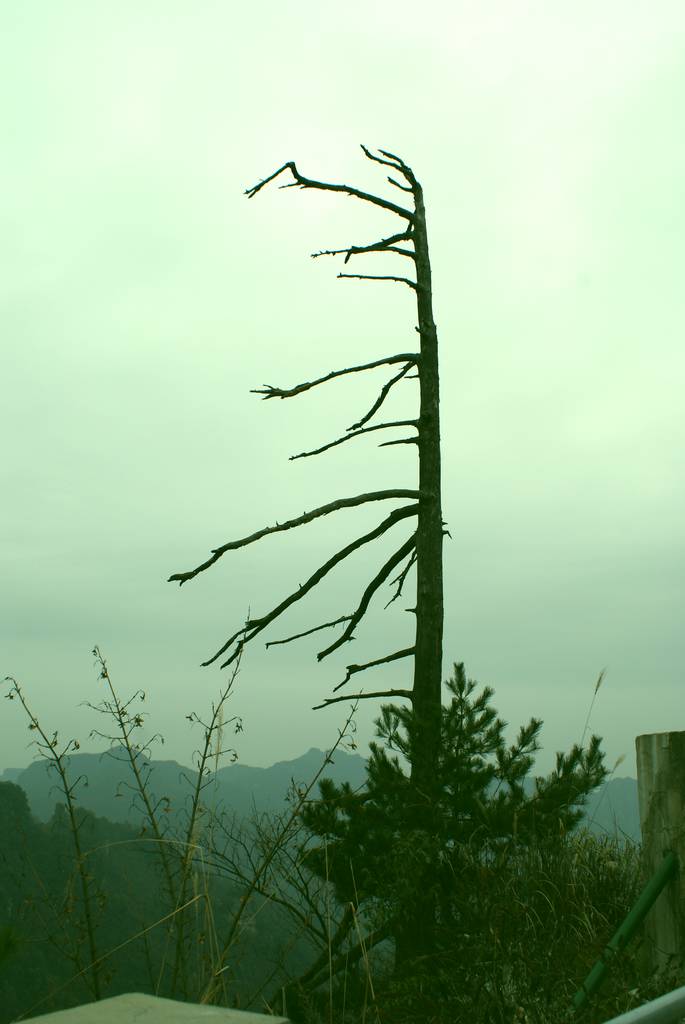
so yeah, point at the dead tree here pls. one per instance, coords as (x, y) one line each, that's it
(422, 549)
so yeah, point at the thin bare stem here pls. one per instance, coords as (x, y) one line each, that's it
(211, 988)
(599, 682)
(48, 746)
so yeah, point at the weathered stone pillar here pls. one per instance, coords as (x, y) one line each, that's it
(661, 793)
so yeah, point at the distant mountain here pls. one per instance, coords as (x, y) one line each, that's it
(108, 788)
(616, 810)
(108, 785)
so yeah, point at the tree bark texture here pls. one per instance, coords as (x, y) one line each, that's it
(416, 934)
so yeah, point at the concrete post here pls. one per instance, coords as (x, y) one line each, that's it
(661, 794)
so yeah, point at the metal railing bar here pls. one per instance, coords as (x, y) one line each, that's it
(665, 1010)
(661, 877)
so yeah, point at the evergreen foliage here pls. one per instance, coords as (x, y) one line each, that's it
(371, 854)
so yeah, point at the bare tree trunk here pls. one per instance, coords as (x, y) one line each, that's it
(415, 932)
(416, 935)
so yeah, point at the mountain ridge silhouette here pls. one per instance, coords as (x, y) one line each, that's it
(107, 788)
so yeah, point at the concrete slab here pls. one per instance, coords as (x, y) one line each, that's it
(138, 1008)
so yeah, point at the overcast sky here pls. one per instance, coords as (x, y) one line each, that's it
(144, 295)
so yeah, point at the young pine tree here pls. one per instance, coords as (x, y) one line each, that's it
(481, 818)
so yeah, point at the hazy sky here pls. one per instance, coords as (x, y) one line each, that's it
(143, 296)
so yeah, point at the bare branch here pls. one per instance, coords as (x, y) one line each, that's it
(385, 245)
(404, 169)
(356, 433)
(373, 586)
(401, 578)
(257, 625)
(355, 250)
(400, 440)
(399, 165)
(405, 188)
(381, 398)
(310, 183)
(269, 391)
(352, 669)
(355, 696)
(306, 517)
(393, 156)
(382, 277)
(307, 632)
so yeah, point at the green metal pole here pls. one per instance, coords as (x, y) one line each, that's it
(661, 877)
